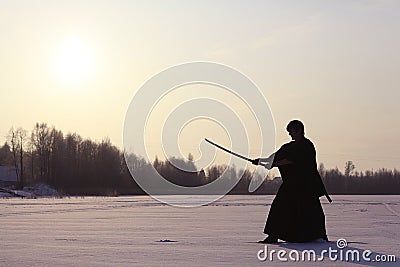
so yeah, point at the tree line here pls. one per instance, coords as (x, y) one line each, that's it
(77, 166)
(69, 163)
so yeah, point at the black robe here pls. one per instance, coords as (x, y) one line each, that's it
(296, 214)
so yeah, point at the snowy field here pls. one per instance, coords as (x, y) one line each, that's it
(126, 231)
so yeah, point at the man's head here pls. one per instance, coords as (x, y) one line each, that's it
(295, 129)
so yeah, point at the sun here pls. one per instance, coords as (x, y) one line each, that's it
(74, 62)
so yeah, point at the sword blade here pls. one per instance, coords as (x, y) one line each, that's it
(227, 150)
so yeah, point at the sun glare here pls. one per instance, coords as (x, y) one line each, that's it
(74, 61)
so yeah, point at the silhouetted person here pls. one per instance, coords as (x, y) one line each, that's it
(296, 213)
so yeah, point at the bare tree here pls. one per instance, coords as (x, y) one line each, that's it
(349, 168)
(12, 139)
(42, 143)
(17, 139)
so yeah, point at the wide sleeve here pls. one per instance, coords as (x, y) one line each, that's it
(282, 152)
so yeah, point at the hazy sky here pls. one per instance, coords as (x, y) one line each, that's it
(333, 64)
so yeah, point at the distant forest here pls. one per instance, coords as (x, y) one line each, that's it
(77, 166)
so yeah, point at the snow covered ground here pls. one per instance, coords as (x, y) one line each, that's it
(138, 231)
(38, 190)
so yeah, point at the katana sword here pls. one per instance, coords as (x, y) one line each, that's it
(265, 164)
(227, 150)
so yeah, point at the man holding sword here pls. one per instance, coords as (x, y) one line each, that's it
(296, 214)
